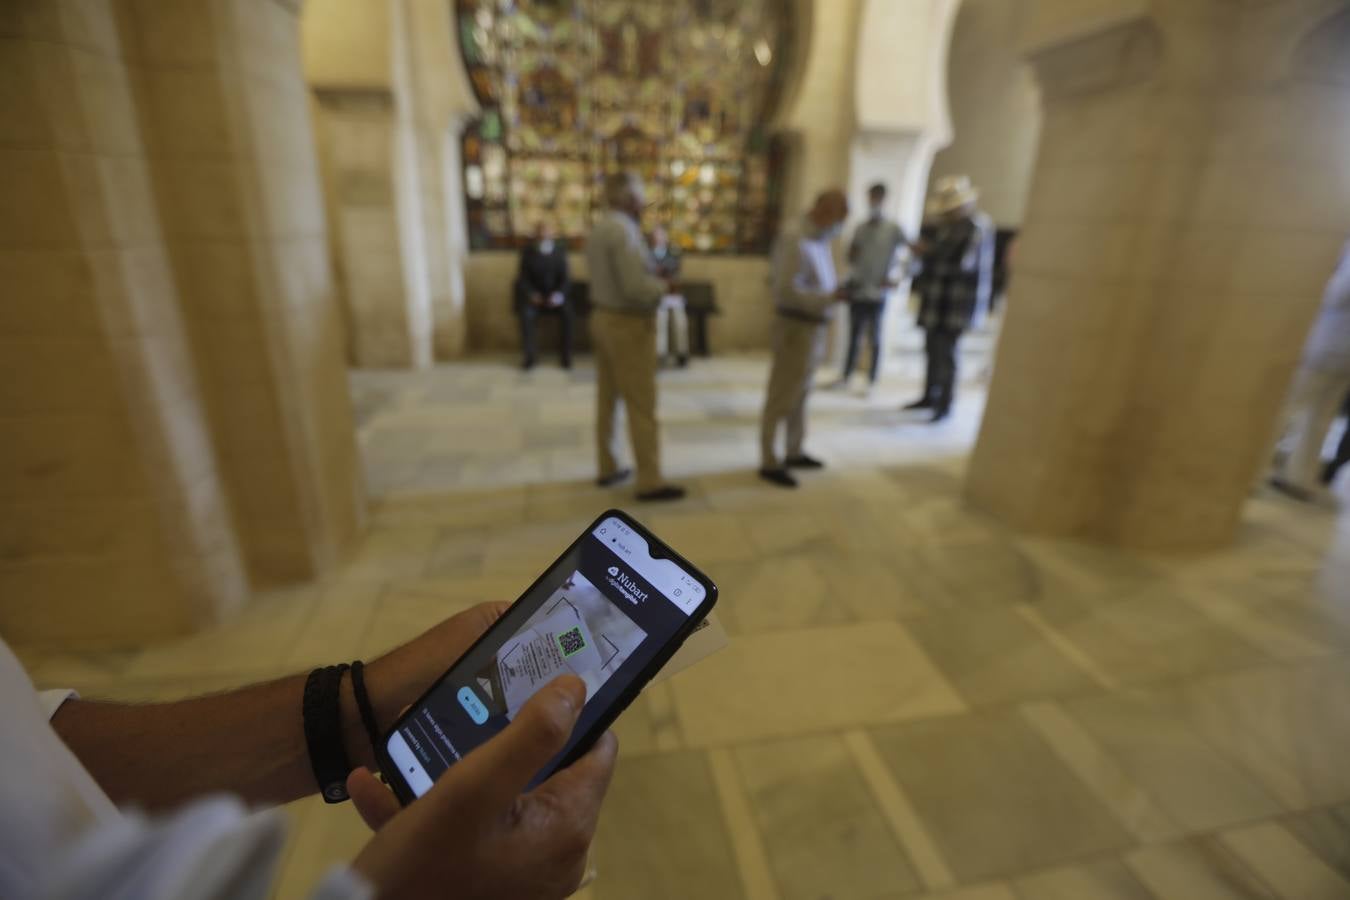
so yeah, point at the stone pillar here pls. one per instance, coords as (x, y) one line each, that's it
(114, 522)
(1189, 201)
(383, 77)
(225, 108)
(372, 203)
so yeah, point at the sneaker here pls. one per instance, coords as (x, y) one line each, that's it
(662, 494)
(840, 384)
(804, 462)
(780, 477)
(921, 403)
(613, 478)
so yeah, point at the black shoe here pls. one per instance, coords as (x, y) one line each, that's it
(567, 364)
(682, 362)
(662, 494)
(939, 415)
(780, 477)
(803, 462)
(1329, 472)
(527, 365)
(613, 478)
(921, 403)
(1292, 491)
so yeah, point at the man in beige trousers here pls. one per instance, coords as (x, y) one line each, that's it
(804, 293)
(625, 295)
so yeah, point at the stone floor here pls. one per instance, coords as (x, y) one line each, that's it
(916, 702)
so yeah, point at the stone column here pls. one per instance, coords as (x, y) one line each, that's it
(114, 522)
(384, 73)
(1189, 201)
(225, 108)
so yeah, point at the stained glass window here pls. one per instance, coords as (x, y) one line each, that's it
(678, 90)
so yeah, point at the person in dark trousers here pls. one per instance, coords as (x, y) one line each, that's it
(872, 277)
(958, 266)
(1342, 456)
(541, 289)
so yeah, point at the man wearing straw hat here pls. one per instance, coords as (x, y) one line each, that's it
(958, 265)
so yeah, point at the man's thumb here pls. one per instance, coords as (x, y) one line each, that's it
(493, 775)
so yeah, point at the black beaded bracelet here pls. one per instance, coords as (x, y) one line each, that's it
(323, 732)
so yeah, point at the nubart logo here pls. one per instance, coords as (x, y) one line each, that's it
(614, 571)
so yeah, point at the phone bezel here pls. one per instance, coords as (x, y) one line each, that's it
(394, 778)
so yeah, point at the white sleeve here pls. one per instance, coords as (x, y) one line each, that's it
(51, 700)
(213, 849)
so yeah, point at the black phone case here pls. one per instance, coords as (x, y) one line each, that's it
(390, 771)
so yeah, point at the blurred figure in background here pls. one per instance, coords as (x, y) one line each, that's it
(541, 289)
(1319, 390)
(872, 276)
(671, 319)
(625, 294)
(804, 291)
(958, 275)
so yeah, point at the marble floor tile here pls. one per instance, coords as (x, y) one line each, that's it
(994, 796)
(1103, 774)
(786, 683)
(649, 724)
(1327, 833)
(703, 538)
(1285, 863)
(1196, 869)
(1147, 636)
(662, 834)
(995, 657)
(1160, 748)
(1289, 726)
(823, 832)
(1105, 880)
(776, 595)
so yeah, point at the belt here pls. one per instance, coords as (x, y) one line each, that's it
(799, 316)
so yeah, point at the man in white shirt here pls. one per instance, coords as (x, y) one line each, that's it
(193, 765)
(804, 293)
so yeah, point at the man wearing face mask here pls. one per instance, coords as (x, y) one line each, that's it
(872, 277)
(541, 289)
(804, 290)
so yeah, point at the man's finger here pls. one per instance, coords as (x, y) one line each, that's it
(375, 802)
(495, 774)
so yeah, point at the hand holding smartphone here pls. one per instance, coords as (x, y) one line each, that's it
(611, 610)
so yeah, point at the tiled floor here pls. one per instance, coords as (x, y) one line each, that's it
(916, 701)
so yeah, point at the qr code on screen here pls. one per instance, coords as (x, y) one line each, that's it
(571, 641)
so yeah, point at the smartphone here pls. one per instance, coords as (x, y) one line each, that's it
(612, 609)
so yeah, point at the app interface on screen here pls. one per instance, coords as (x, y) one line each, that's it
(601, 614)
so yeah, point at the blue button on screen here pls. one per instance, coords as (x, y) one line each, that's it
(473, 706)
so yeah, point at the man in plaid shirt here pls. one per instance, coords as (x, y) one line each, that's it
(958, 268)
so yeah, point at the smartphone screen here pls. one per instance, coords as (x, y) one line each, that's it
(610, 611)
